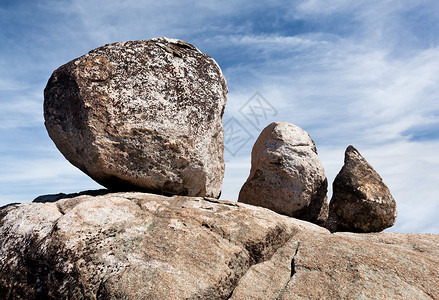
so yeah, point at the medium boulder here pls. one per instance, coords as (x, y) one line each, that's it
(141, 115)
(361, 201)
(286, 174)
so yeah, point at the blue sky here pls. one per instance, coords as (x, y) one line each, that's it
(364, 73)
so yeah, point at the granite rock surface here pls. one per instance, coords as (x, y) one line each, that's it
(145, 246)
(361, 201)
(286, 174)
(141, 115)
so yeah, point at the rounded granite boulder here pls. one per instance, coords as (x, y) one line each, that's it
(141, 115)
(286, 174)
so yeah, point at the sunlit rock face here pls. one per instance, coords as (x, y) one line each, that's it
(141, 115)
(286, 174)
(146, 246)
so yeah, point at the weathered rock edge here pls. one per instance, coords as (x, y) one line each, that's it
(141, 116)
(145, 246)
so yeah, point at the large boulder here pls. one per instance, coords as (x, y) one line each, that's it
(141, 115)
(286, 174)
(145, 246)
(361, 201)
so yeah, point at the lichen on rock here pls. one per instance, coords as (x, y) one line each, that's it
(147, 246)
(286, 174)
(361, 201)
(141, 115)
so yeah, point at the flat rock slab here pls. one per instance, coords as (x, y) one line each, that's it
(145, 246)
(141, 115)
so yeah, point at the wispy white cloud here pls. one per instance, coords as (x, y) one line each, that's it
(237, 171)
(22, 109)
(361, 73)
(354, 90)
(369, 94)
(27, 178)
(8, 85)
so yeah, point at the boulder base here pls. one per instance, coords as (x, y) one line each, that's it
(145, 246)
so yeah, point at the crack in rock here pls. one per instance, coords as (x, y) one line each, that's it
(292, 273)
(257, 252)
(269, 278)
(293, 264)
(212, 200)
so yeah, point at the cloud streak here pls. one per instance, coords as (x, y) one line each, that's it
(361, 73)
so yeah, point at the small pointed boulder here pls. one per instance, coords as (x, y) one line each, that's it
(361, 201)
(286, 174)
